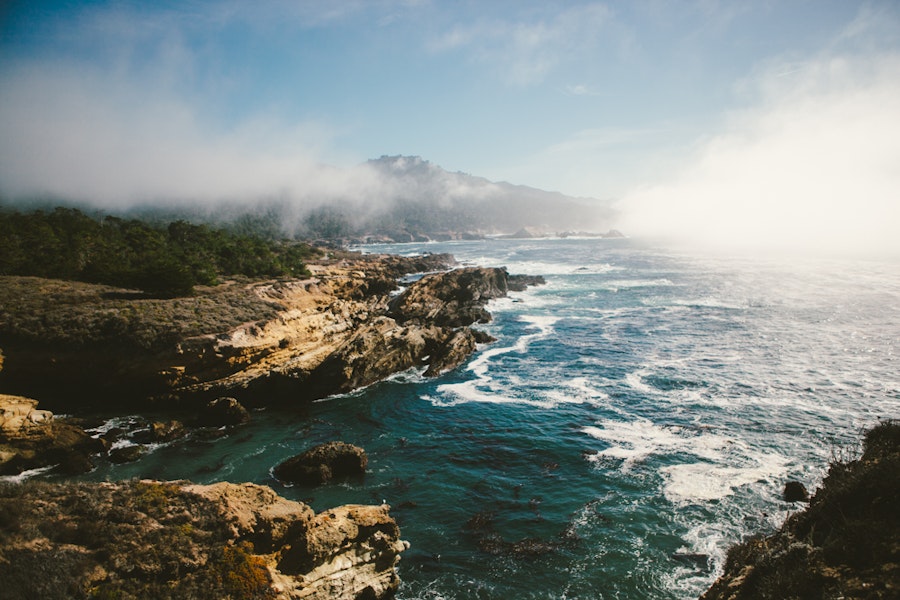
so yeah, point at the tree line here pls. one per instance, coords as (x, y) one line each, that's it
(165, 260)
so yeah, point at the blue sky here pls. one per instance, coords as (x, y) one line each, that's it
(121, 101)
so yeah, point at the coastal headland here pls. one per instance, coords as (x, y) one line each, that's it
(348, 325)
(80, 347)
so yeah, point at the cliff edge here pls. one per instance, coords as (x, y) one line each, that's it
(846, 544)
(347, 326)
(149, 539)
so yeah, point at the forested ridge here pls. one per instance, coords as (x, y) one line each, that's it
(163, 260)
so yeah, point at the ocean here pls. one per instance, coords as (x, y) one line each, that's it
(637, 415)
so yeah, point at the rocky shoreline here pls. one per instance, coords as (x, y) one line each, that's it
(81, 347)
(78, 345)
(150, 539)
(845, 544)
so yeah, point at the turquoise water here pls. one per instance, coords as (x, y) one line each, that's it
(635, 416)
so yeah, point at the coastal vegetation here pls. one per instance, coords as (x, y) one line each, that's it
(152, 540)
(162, 260)
(844, 545)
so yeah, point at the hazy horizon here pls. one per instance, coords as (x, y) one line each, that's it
(774, 124)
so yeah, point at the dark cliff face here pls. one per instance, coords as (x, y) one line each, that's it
(846, 544)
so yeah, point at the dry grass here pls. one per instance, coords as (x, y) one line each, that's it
(126, 540)
(67, 314)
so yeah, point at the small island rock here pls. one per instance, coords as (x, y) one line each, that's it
(794, 491)
(318, 465)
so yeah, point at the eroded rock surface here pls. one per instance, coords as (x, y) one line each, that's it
(263, 342)
(322, 463)
(147, 539)
(31, 438)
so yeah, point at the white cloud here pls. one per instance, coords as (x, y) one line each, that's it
(815, 166)
(74, 131)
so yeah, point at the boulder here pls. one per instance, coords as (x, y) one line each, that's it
(126, 454)
(223, 412)
(794, 491)
(318, 465)
(519, 283)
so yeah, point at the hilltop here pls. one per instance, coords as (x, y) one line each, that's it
(394, 198)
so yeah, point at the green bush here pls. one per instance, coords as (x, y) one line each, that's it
(162, 261)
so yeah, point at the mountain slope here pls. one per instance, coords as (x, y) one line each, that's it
(402, 198)
(425, 197)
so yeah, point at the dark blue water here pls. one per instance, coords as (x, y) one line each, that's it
(636, 415)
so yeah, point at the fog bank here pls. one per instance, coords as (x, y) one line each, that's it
(813, 167)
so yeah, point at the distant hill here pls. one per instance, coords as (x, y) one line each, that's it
(398, 198)
(428, 199)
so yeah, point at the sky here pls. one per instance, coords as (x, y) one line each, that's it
(724, 118)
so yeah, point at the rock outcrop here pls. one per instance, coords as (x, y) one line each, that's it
(263, 342)
(147, 539)
(453, 299)
(223, 412)
(846, 544)
(31, 438)
(322, 463)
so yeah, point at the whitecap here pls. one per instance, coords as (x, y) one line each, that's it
(698, 482)
(635, 441)
(635, 381)
(484, 388)
(725, 463)
(709, 302)
(24, 475)
(627, 284)
(127, 422)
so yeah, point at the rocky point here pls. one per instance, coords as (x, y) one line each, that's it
(261, 342)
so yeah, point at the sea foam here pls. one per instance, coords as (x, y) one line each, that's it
(724, 464)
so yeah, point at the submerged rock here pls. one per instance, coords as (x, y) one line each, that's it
(321, 464)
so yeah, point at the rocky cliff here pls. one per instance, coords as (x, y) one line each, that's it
(147, 539)
(31, 439)
(846, 544)
(264, 342)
